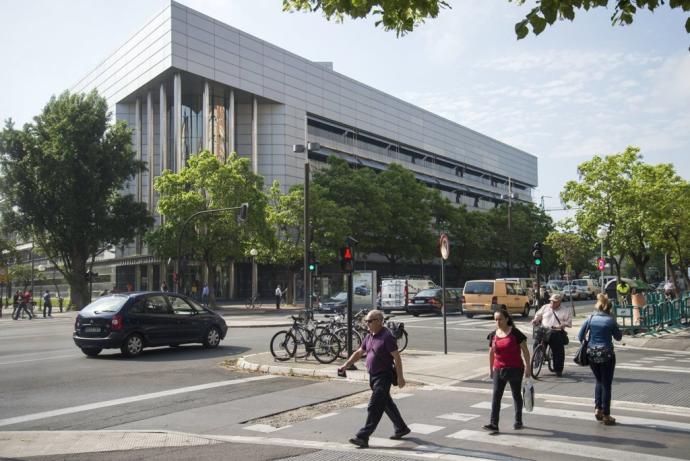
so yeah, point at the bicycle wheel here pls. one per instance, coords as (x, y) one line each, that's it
(402, 341)
(537, 360)
(283, 345)
(257, 303)
(326, 348)
(548, 357)
(248, 304)
(341, 334)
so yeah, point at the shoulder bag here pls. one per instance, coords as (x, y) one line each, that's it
(581, 357)
(566, 340)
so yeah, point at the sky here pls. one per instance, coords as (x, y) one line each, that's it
(579, 89)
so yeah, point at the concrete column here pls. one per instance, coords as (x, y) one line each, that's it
(137, 143)
(232, 289)
(137, 277)
(150, 148)
(163, 131)
(206, 119)
(149, 277)
(177, 108)
(255, 135)
(231, 123)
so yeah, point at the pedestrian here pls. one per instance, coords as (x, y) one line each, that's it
(602, 359)
(623, 289)
(279, 296)
(24, 300)
(506, 365)
(194, 290)
(16, 299)
(47, 304)
(164, 286)
(204, 294)
(555, 320)
(382, 353)
(668, 289)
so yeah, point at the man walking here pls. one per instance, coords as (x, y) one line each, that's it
(279, 295)
(382, 352)
(47, 304)
(204, 294)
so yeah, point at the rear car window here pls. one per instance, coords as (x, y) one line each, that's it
(106, 304)
(428, 293)
(479, 288)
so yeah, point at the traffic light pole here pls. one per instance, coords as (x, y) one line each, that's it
(307, 243)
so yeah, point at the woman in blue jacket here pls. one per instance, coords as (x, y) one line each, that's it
(602, 359)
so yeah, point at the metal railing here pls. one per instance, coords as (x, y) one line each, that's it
(658, 314)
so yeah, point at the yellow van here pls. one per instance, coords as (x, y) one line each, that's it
(484, 297)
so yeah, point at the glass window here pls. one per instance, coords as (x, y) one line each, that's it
(106, 304)
(510, 288)
(156, 305)
(181, 307)
(137, 307)
(479, 288)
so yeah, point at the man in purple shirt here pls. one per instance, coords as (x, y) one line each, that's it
(382, 351)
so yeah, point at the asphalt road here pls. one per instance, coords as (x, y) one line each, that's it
(48, 384)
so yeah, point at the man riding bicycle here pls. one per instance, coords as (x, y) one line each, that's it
(555, 320)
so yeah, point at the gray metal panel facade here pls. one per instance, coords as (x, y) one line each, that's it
(289, 87)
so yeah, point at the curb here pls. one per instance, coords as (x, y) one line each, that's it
(256, 325)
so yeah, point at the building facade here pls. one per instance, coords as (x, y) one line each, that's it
(187, 82)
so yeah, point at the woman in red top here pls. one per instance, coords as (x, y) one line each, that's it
(506, 366)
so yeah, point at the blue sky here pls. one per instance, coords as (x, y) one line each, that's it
(577, 90)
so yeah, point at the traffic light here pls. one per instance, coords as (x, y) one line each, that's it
(244, 209)
(347, 259)
(537, 254)
(313, 263)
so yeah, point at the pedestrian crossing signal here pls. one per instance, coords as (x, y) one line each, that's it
(347, 259)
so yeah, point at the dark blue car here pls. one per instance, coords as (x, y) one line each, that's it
(133, 321)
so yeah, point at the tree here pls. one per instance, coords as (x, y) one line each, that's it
(65, 173)
(403, 16)
(207, 184)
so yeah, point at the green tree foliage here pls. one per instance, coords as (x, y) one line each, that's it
(64, 173)
(403, 16)
(573, 253)
(630, 199)
(206, 184)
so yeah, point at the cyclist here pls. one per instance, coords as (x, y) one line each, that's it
(555, 320)
(623, 289)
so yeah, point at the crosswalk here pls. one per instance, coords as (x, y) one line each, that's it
(446, 424)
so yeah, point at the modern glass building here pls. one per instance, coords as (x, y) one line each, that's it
(187, 82)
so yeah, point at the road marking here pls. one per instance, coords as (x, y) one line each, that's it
(401, 395)
(126, 400)
(545, 444)
(264, 428)
(633, 406)
(425, 429)
(623, 420)
(38, 360)
(656, 367)
(464, 417)
(487, 405)
(324, 416)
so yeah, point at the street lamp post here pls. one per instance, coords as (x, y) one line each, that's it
(255, 271)
(602, 233)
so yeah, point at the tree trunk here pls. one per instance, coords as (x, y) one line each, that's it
(211, 271)
(640, 261)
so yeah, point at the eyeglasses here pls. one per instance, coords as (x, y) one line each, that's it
(371, 320)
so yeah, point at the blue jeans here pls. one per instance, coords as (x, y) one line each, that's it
(603, 373)
(502, 376)
(379, 403)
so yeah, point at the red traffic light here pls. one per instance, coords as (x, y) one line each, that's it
(601, 264)
(347, 259)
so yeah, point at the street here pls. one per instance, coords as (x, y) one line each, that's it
(188, 402)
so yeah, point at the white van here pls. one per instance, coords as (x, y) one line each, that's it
(396, 292)
(589, 286)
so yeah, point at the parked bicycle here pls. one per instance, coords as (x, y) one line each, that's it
(303, 339)
(253, 302)
(542, 352)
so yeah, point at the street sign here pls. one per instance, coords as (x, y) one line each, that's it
(444, 245)
(623, 311)
(601, 264)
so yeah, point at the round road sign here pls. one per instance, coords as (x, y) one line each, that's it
(444, 245)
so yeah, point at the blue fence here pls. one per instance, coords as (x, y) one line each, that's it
(659, 314)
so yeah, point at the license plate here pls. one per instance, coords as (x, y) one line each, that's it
(92, 329)
(419, 301)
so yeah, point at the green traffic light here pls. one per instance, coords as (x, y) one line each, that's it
(537, 261)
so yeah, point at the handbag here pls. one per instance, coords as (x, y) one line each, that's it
(581, 356)
(565, 340)
(528, 394)
(394, 381)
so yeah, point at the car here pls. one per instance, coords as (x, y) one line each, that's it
(133, 321)
(429, 302)
(362, 290)
(589, 287)
(335, 305)
(484, 297)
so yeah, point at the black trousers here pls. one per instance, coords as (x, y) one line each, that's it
(23, 307)
(502, 376)
(558, 350)
(379, 403)
(603, 373)
(47, 309)
(278, 301)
